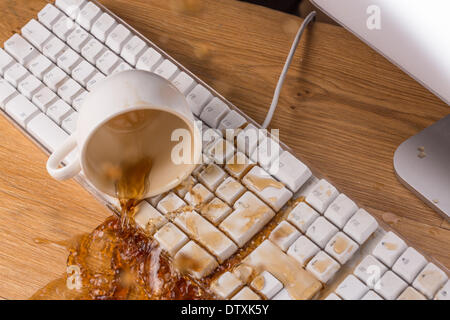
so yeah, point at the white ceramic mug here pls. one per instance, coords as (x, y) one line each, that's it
(129, 113)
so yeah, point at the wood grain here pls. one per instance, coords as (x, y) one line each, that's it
(343, 109)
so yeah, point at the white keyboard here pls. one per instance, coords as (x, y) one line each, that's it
(297, 237)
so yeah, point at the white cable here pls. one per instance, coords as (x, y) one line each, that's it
(276, 95)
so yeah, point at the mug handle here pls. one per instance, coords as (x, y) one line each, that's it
(53, 162)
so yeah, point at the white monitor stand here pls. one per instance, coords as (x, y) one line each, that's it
(405, 32)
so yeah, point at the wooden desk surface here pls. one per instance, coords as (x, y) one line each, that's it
(344, 109)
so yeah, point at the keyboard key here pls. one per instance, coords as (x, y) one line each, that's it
(371, 295)
(341, 248)
(93, 50)
(389, 249)
(148, 218)
(94, 80)
(82, 72)
(107, 62)
(246, 294)
(5, 61)
(299, 284)
(149, 60)
(370, 271)
(361, 226)
(292, 172)
(282, 295)
(39, 66)
(53, 48)
(323, 267)
(202, 231)
(266, 284)
(69, 90)
(221, 151)
(123, 66)
(390, 286)
(133, 50)
(103, 26)
(250, 215)
(198, 195)
(70, 7)
(332, 296)
(166, 69)
(302, 216)
(271, 191)
(183, 82)
(215, 211)
(341, 210)
(70, 123)
(284, 235)
(411, 294)
(170, 238)
(238, 165)
(68, 60)
(88, 15)
(49, 15)
(36, 33)
(266, 154)
(43, 98)
(194, 260)
(226, 285)
(185, 186)
(78, 101)
(213, 113)
(322, 196)
(29, 86)
(54, 78)
(198, 98)
(117, 38)
(444, 292)
(20, 49)
(321, 231)
(351, 288)
(303, 250)
(78, 38)
(430, 280)
(6, 92)
(15, 74)
(21, 109)
(232, 121)
(46, 132)
(58, 111)
(409, 264)
(170, 203)
(63, 27)
(247, 140)
(212, 176)
(230, 190)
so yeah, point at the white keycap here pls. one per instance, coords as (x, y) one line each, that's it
(390, 286)
(29, 86)
(170, 203)
(267, 188)
(54, 78)
(323, 267)
(209, 138)
(215, 211)
(282, 295)
(107, 62)
(170, 238)
(166, 69)
(5, 61)
(202, 231)
(149, 60)
(284, 235)
(43, 98)
(103, 26)
(370, 271)
(411, 294)
(246, 294)
(63, 27)
(46, 132)
(185, 186)
(35, 33)
(266, 284)
(248, 218)
(48, 15)
(15, 74)
(58, 111)
(409, 264)
(20, 49)
(70, 123)
(371, 295)
(247, 140)
(123, 66)
(351, 288)
(302, 216)
(78, 101)
(88, 15)
(267, 154)
(303, 250)
(133, 50)
(198, 195)
(21, 109)
(93, 50)
(232, 121)
(292, 172)
(226, 285)
(322, 196)
(211, 176)
(341, 247)
(361, 226)
(39, 66)
(430, 280)
(341, 210)
(230, 190)
(6, 92)
(183, 82)
(213, 113)
(94, 80)
(194, 260)
(238, 165)
(444, 292)
(78, 38)
(321, 231)
(148, 218)
(68, 60)
(70, 7)
(221, 151)
(198, 98)
(54, 48)
(389, 249)
(69, 90)
(82, 72)
(117, 38)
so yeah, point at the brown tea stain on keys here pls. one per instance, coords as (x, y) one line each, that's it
(321, 265)
(390, 246)
(258, 283)
(263, 183)
(340, 245)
